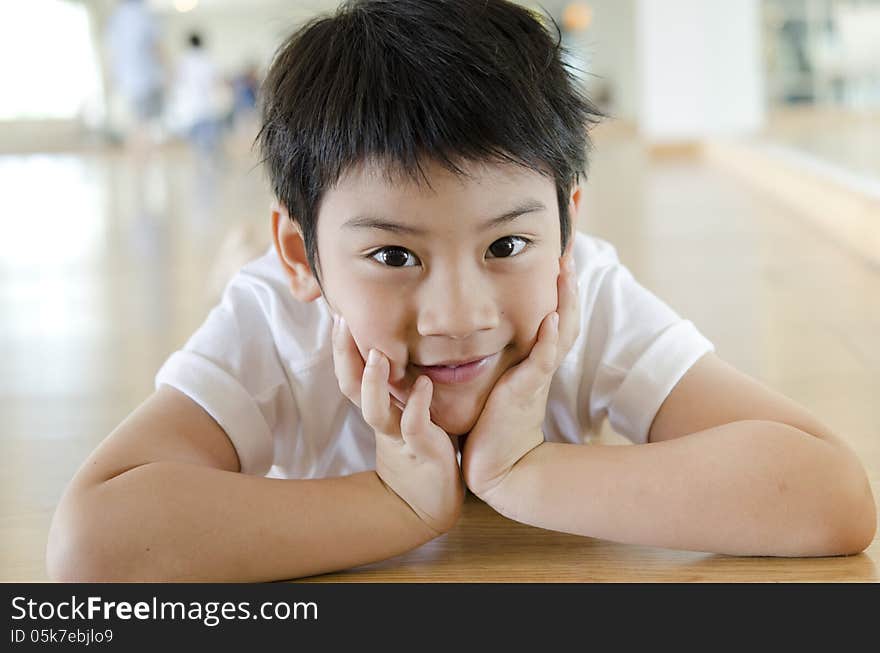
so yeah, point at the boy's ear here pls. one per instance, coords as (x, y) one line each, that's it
(292, 253)
(574, 201)
(574, 205)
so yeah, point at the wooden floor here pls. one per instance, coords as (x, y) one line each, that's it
(106, 267)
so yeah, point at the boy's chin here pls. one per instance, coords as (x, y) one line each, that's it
(457, 430)
(457, 423)
(457, 413)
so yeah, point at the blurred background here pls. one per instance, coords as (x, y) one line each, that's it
(738, 175)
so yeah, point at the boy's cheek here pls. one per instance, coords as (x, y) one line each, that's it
(528, 336)
(366, 340)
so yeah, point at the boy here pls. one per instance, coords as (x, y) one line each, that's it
(427, 299)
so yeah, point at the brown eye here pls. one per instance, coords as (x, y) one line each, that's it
(507, 246)
(395, 257)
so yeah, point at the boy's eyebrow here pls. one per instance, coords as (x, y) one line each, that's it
(374, 222)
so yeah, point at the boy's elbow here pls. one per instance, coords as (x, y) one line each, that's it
(75, 552)
(854, 518)
(852, 538)
(67, 562)
(863, 528)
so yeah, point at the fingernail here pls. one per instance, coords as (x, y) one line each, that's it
(373, 357)
(554, 320)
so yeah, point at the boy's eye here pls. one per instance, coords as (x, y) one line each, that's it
(395, 257)
(398, 257)
(508, 246)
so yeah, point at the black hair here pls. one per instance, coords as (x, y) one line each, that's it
(403, 82)
(195, 40)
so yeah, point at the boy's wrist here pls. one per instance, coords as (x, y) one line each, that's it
(422, 530)
(502, 494)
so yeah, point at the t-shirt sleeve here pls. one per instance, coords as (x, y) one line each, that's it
(637, 348)
(231, 368)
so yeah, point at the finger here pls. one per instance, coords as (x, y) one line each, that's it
(399, 395)
(347, 362)
(376, 406)
(534, 373)
(415, 423)
(568, 306)
(397, 402)
(543, 354)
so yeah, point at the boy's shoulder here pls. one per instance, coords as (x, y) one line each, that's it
(259, 297)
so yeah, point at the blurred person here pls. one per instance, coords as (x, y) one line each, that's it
(132, 40)
(428, 318)
(199, 99)
(245, 86)
(244, 118)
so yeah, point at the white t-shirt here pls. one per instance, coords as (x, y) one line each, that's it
(262, 366)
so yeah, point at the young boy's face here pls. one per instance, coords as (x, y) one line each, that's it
(433, 274)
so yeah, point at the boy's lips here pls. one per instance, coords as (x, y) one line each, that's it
(456, 373)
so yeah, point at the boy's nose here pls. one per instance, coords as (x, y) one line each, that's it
(456, 307)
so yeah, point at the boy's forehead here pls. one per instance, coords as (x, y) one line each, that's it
(373, 198)
(433, 178)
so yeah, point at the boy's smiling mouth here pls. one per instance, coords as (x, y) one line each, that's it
(451, 372)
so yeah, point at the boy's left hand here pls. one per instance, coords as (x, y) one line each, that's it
(510, 423)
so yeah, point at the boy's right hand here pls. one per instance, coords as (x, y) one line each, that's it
(414, 456)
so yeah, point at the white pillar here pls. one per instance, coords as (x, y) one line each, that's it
(699, 69)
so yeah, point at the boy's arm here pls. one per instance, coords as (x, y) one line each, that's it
(162, 499)
(734, 468)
